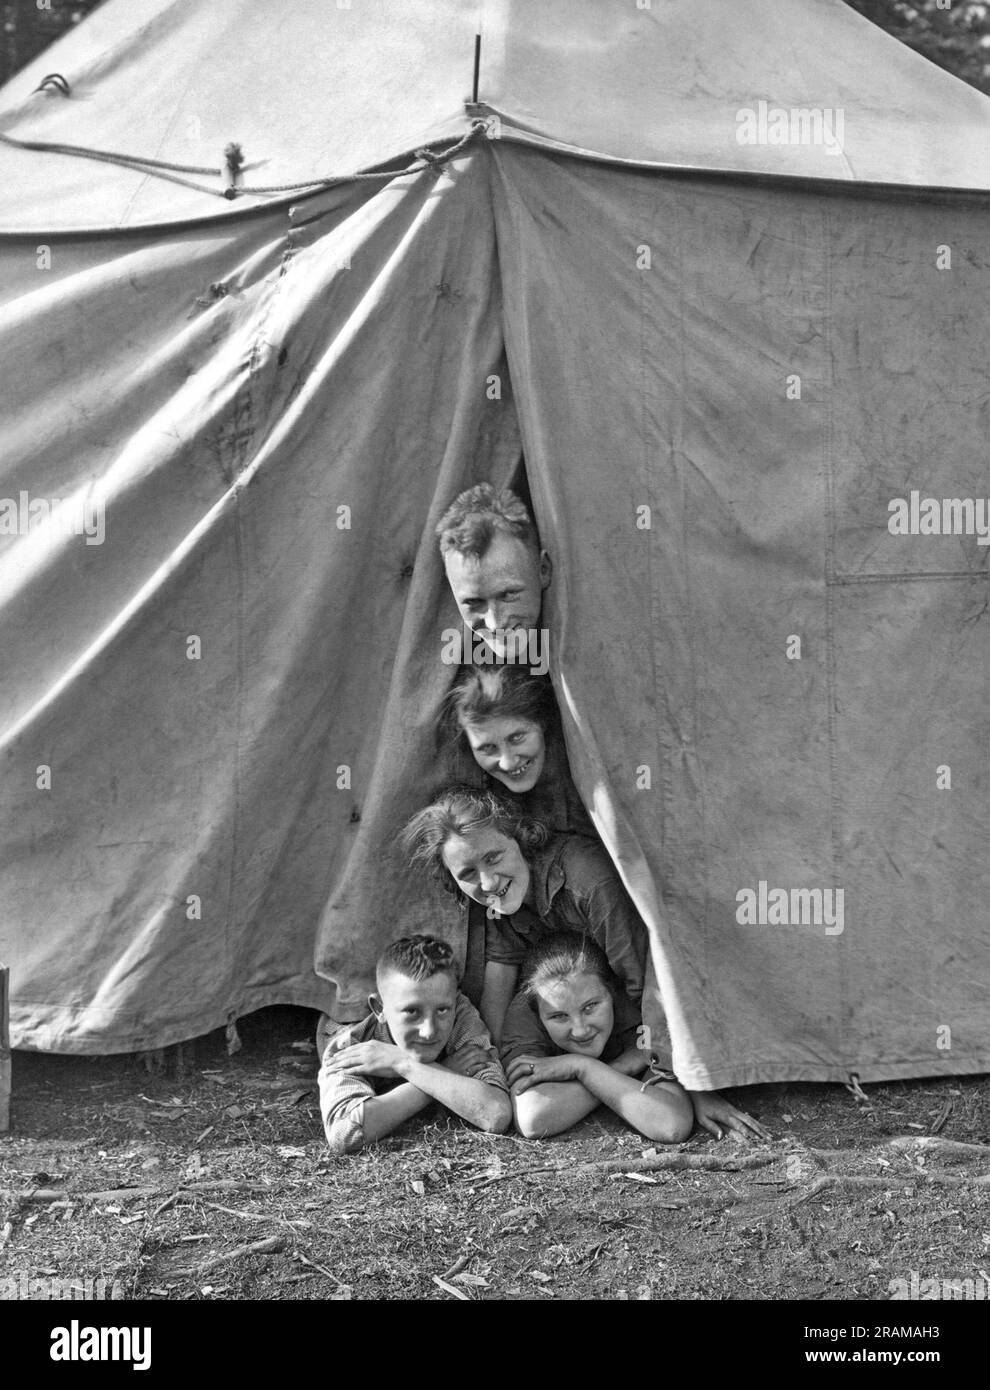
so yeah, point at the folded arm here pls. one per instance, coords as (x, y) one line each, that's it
(550, 1094)
(480, 1103)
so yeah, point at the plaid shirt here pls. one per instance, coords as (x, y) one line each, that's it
(343, 1094)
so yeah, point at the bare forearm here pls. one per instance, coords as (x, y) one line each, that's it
(661, 1112)
(551, 1108)
(383, 1114)
(475, 1101)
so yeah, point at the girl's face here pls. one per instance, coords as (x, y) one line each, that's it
(578, 1013)
(488, 867)
(511, 750)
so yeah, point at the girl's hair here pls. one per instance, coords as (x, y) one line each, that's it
(500, 692)
(561, 955)
(460, 810)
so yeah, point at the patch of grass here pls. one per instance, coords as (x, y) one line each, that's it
(233, 1149)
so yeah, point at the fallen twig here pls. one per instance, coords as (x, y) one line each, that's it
(456, 1267)
(271, 1246)
(163, 1206)
(449, 1288)
(256, 1216)
(934, 1143)
(887, 1181)
(943, 1116)
(674, 1162)
(313, 1265)
(128, 1194)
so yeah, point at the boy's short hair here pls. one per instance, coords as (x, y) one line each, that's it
(417, 957)
(471, 522)
(457, 810)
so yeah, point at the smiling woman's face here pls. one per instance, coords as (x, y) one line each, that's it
(489, 868)
(512, 750)
(578, 1013)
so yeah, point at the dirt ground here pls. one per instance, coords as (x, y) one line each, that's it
(207, 1177)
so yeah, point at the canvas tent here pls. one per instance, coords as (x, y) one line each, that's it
(720, 357)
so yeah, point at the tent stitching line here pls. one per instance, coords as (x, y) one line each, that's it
(245, 420)
(831, 673)
(905, 577)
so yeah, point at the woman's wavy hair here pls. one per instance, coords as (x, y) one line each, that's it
(561, 955)
(497, 692)
(460, 809)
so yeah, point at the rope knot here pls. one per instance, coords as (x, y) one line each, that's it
(233, 164)
(428, 157)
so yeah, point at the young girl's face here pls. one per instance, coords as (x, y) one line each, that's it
(513, 751)
(578, 1013)
(488, 867)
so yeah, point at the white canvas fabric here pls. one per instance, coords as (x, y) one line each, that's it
(217, 714)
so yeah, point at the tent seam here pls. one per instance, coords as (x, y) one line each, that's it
(831, 675)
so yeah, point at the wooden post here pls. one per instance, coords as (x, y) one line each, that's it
(4, 1049)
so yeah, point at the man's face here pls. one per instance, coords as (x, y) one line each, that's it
(578, 1014)
(488, 867)
(419, 1013)
(513, 750)
(502, 589)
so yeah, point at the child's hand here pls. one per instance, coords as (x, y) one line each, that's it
(370, 1059)
(714, 1113)
(524, 1072)
(470, 1060)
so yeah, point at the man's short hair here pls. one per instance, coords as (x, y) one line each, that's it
(471, 522)
(417, 958)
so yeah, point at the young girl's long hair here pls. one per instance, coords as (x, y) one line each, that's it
(500, 692)
(561, 955)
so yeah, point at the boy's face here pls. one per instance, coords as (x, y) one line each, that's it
(500, 590)
(488, 867)
(578, 1014)
(419, 1013)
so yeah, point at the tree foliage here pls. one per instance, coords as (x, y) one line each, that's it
(955, 34)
